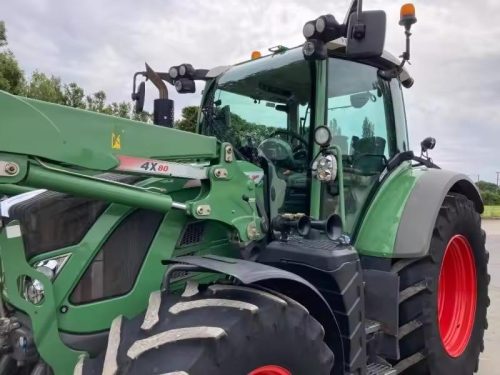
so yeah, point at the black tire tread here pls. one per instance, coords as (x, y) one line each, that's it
(246, 333)
(416, 307)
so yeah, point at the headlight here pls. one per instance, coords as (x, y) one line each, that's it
(320, 25)
(322, 136)
(308, 29)
(34, 290)
(325, 168)
(173, 72)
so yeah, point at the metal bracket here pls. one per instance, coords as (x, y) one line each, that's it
(8, 168)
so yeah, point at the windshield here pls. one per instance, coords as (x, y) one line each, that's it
(263, 109)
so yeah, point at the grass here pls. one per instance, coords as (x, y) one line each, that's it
(491, 212)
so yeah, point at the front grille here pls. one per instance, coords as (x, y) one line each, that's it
(193, 233)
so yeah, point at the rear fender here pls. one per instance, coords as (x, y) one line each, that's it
(422, 209)
(400, 220)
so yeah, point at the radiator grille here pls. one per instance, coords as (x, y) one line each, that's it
(193, 233)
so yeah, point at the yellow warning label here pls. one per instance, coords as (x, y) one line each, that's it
(115, 141)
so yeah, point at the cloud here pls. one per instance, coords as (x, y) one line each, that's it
(455, 54)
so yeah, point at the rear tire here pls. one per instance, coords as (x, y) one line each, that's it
(424, 346)
(224, 329)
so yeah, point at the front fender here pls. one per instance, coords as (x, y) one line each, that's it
(400, 219)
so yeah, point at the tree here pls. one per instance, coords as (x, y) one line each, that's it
(11, 75)
(142, 116)
(74, 96)
(96, 101)
(3, 34)
(43, 87)
(336, 129)
(368, 128)
(121, 109)
(490, 193)
(487, 186)
(189, 119)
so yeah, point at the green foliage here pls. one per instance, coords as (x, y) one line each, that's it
(368, 128)
(189, 118)
(233, 129)
(43, 87)
(74, 96)
(96, 102)
(490, 193)
(243, 130)
(11, 75)
(143, 116)
(491, 212)
(3, 34)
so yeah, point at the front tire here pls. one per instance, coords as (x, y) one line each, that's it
(444, 296)
(224, 329)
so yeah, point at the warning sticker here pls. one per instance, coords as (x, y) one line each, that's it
(116, 141)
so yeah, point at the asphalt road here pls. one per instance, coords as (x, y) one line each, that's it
(490, 359)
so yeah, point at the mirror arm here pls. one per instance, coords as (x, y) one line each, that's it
(359, 8)
(157, 81)
(134, 81)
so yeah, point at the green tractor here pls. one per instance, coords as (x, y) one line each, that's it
(294, 234)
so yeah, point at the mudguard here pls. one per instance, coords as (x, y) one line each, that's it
(400, 219)
(422, 208)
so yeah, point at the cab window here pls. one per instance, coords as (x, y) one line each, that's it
(360, 118)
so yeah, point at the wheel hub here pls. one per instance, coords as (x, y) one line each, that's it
(270, 370)
(457, 296)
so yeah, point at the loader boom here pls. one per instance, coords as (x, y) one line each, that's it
(43, 145)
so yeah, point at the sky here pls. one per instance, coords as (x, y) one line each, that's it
(100, 44)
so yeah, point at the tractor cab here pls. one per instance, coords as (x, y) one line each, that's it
(268, 108)
(325, 121)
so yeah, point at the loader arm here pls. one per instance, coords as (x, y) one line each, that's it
(42, 145)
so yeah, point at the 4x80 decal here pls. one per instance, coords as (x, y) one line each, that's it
(160, 168)
(154, 167)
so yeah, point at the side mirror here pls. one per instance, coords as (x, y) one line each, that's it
(366, 34)
(360, 99)
(427, 144)
(139, 96)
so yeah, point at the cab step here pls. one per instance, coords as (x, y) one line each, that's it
(380, 369)
(372, 326)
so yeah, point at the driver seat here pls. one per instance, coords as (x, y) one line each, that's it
(368, 155)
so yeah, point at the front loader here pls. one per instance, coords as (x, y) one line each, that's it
(295, 233)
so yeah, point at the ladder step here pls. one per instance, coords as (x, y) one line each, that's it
(372, 326)
(380, 369)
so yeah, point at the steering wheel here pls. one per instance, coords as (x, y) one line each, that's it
(299, 152)
(278, 151)
(289, 133)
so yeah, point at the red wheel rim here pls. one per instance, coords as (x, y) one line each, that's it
(270, 370)
(457, 295)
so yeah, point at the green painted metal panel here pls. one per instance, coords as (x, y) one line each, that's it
(13, 189)
(377, 234)
(319, 119)
(49, 319)
(86, 186)
(88, 139)
(43, 315)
